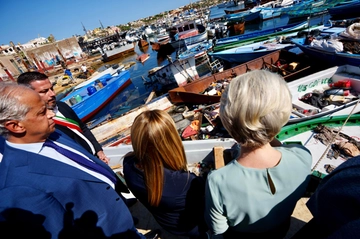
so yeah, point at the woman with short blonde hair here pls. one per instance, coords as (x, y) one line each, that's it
(258, 104)
(254, 195)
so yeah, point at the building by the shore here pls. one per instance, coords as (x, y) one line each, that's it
(38, 55)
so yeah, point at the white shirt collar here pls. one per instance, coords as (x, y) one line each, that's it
(32, 147)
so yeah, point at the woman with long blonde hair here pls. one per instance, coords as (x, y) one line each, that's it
(156, 173)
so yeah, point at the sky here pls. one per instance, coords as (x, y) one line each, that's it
(24, 20)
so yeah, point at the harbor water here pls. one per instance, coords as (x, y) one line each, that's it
(138, 92)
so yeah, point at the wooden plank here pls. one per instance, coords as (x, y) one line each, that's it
(116, 166)
(151, 96)
(219, 157)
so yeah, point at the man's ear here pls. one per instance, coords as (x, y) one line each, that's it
(14, 126)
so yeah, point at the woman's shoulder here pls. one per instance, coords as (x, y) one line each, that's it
(296, 151)
(129, 158)
(224, 172)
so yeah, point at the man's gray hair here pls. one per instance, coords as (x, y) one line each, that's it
(10, 106)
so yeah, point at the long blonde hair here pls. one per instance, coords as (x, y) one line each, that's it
(157, 145)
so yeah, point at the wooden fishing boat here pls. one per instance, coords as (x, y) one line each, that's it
(345, 10)
(88, 100)
(236, 10)
(270, 13)
(247, 16)
(160, 41)
(226, 4)
(251, 51)
(184, 30)
(118, 52)
(239, 40)
(116, 131)
(330, 92)
(113, 70)
(310, 8)
(273, 9)
(176, 73)
(195, 50)
(338, 50)
(199, 151)
(193, 92)
(235, 28)
(143, 43)
(197, 38)
(327, 152)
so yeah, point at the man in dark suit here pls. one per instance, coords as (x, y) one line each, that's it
(45, 191)
(66, 119)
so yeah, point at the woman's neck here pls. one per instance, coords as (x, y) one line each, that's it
(264, 157)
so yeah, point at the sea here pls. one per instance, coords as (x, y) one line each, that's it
(137, 94)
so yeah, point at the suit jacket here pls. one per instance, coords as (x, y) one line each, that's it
(66, 202)
(68, 112)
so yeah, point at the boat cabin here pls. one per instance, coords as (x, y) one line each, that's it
(184, 30)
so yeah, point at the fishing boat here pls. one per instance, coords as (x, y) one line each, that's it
(199, 151)
(194, 50)
(113, 70)
(336, 48)
(176, 73)
(251, 51)
(239, 40)
(197, 92)
(88, 100)
(235, 28)
(143, 43)
(118, 52)
(197, 38)
(330, 92)
(116, 131)
(310, 8)
(182, 42)
(331, 140)
(161, 40)
(188, 30)
(306, 133)
(247, 16)
(345, 10)
(236, 10)
(273, 9)
(226, 4)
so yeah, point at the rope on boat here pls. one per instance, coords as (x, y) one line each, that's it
(333, 139)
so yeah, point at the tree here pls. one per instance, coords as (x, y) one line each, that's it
(51, 38)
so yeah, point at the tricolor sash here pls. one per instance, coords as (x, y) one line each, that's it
(67, 122)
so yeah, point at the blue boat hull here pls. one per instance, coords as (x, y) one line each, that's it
(91, 104)
(331, 58)
(345, 11)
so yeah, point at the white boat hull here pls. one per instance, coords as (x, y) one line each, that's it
(319, 82)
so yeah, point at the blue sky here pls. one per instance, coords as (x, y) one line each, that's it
(23, 20)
